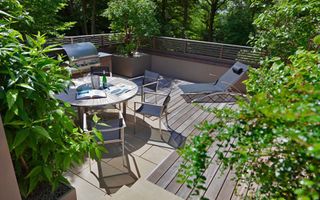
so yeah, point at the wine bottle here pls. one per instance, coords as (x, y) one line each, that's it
(104, 80)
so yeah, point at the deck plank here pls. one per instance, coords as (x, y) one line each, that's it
(182, 118)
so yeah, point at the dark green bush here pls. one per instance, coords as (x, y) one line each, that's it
(43, 140)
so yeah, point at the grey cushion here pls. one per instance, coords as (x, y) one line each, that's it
(237, 69)
(200, 88)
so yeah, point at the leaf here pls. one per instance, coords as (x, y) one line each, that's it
(15, 123)
(21, 136)
(41, 131)
(98, 153)
(47, 172)
(33, 183)
(12, 97)
(45, 152)
(98, 134)
(95, 118)
(24, 85)
(35, 171)
(317, 40)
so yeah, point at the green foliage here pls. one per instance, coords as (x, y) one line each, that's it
(135, 18)
(238, 16)
(196, 161)
(43, 16)
(284, 26)
(277, 130)
(43, 140)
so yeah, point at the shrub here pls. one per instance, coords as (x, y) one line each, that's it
(43, 140)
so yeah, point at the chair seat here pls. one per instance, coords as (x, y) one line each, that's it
(152, 110)
(200, 88)
(107, 132)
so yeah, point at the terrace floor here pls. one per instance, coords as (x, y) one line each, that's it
(151, 158)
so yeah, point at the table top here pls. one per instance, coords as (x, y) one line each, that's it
(114, 93)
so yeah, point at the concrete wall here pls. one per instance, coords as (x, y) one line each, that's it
(191, 70)
(8, 183)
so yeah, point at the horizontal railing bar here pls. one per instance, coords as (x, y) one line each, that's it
(171, 45)
(203, 42)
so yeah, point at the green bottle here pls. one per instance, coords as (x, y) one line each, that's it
(104, 80)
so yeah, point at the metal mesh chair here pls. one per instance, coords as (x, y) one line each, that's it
(113, 133)
(148, 82)
(155, 110)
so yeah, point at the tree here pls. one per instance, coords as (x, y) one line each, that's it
(234, 25)
(211, 8)
(45, 17)
(283, 26)
(135, 20)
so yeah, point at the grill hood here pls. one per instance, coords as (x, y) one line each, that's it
(78, 50)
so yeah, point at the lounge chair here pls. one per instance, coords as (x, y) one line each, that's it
(223, 84)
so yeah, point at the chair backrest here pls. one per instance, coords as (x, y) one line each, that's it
(231, 76)
(150, 77)
(99, 70)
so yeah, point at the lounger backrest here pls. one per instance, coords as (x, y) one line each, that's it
(231, 76)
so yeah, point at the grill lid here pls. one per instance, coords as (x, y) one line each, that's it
(78, 50)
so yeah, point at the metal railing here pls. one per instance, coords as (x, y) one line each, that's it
(209, 49)
(177, 46)
(98, 40)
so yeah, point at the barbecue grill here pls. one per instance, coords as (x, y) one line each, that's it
(84, 55)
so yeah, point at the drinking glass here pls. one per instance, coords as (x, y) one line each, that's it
(95, 80)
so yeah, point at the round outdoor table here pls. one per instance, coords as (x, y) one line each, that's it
(119, 90)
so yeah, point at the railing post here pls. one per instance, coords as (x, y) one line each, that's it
(101, 38)
(221, 52)
(185, 46)
(154, 43)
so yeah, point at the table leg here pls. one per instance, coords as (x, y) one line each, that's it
(81, 110)
(124, 109)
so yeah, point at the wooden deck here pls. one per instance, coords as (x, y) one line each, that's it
(182, 120)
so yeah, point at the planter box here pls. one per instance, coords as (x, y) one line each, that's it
(70, 195)
(131, 66)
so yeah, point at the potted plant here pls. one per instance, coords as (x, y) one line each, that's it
(136, 21)
(43, 140)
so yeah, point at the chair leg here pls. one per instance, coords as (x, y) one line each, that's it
(135, 123)
(122, 142)
(156, 99)
(167, 119)
(160, 127)
(89, 162)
